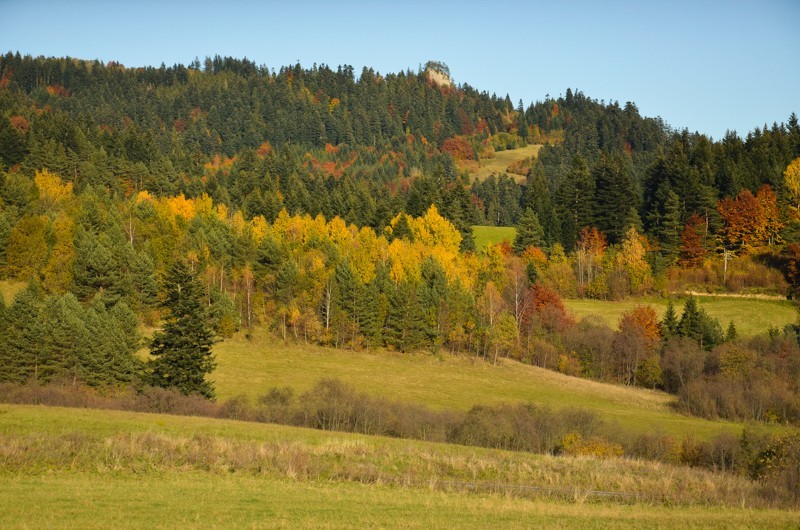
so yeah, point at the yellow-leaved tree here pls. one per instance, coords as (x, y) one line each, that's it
(791, 179)
(51, 190)
(631, 259)
(58, 271)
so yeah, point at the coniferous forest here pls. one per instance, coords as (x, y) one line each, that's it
(336, 207)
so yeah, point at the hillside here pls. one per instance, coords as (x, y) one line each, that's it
(456, 382)
(330, 209)
(502, 161)
(103, 468)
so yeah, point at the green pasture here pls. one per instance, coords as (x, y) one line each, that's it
(751, 316)
(252, 367)
(78, 468)
(489, 235)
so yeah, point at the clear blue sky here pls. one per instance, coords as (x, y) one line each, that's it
(708, 66)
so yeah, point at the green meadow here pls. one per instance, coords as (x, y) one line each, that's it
(751, 316)
(490, 235)
(252, 367)
(81, 468)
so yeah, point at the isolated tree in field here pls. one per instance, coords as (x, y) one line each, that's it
(182, 348)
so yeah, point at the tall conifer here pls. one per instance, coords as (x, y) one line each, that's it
(182, 348)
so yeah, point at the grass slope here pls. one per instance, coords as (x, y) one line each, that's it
(502, 159)
(750, 316)
(99, 469)
(455, 382)
(489, 235)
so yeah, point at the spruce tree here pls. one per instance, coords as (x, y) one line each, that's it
(5, 236)
(64, 341)
(182, 348)
(529, 232)
(669, 324)
(405, 321)
(21, 355)
(696, 324)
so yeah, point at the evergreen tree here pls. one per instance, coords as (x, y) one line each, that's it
(405, 321)
(632, 220)
(731, 333)
(183, 347)
(697, 325)
(666, 220)
(144, 278)
(5, 236)
(21, 355)
(64, 340)
(432, 293)
(669, 324)
(102, 266)
(529, 232)
(615, 193)
(539, 199)
(575, 201)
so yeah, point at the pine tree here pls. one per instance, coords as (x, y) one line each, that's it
(539, 199)
(576, 201)
(615, 193)
(102, 266)
(183, 347)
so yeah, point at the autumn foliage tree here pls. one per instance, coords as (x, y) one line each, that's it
(750, 220)
(692, 251)
(589, 253)
(636, 344)
(791, 180)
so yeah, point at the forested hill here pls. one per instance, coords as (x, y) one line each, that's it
(336, 208)
(366, 146)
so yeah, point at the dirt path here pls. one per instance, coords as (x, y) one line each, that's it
(731, 295)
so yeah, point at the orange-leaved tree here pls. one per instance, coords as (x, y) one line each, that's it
(693, 251)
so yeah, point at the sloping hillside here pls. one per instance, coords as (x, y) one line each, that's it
(503, 160)
(252, 367)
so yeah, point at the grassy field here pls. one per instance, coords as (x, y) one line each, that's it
(750, 316)
(486, 235)
(252, 367)
(502, 159)
(98, 469)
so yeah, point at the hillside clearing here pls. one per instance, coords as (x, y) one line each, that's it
(490, 235)
(252, 367)
(502, 160)
(751, 316)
